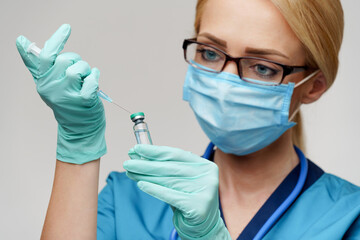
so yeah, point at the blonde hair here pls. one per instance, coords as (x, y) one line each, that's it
(319, 25)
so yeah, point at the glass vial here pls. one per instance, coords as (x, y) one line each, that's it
(141, 129)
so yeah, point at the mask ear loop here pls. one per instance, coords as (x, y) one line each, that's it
(307, 78)
(298, 84)
(294, 114)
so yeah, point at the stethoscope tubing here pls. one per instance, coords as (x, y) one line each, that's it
(174, 235)
(289, 200)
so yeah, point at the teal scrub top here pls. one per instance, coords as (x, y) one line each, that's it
(328, 207)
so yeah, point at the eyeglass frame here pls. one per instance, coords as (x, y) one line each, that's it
(287, 70)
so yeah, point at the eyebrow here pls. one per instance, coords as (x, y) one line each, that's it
(264, 51)
(214, 39)
(248, 50)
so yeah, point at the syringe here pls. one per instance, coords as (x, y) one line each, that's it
(36, 51)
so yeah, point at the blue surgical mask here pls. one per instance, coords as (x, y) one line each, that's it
(237, 116)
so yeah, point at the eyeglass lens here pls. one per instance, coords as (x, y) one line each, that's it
(251, 70)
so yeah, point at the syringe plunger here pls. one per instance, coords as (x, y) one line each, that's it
(34, 49)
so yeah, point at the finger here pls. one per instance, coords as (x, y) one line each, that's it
(76, 72)
(62, 63)
(133, 155)
(90, 85)
(164, 153)
(186, 185)
(30, 60)
(53, 47)
(170, 196)
(167, 169)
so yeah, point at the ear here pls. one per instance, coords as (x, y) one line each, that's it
(313, 90)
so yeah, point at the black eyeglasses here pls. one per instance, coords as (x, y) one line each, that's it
(251, 69)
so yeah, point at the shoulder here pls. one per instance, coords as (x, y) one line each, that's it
(339, 188)
(328, 209)
(123, 188)
(118, 186)
(116, 178)
(123, 206)
(125, 192)
(333, 197)
(335, 187)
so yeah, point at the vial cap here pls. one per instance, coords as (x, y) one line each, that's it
(137, 115)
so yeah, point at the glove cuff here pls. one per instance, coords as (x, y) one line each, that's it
(218, 232)
(81, 148)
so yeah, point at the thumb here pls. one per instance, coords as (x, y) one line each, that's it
(30, 60)
(90, 85)
(53, 47)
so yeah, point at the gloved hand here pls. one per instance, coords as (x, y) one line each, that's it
(68, 86)
(185, 181)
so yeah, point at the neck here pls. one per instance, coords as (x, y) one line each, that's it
(256, 174)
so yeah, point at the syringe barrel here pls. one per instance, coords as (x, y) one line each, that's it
(141, 130)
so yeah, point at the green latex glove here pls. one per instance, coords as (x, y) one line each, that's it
(187, 182)
(68, 86)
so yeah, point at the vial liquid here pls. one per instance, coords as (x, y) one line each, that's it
(141, 129)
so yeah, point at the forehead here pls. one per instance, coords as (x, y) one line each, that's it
(250, 23)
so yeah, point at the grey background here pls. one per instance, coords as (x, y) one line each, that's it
(113, 35)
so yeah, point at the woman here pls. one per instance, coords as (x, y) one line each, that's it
(251, 66)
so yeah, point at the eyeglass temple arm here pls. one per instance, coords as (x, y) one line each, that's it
(298, 69)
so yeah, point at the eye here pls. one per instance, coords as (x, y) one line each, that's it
(209, 55)
(264, 70)
(261, 70)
